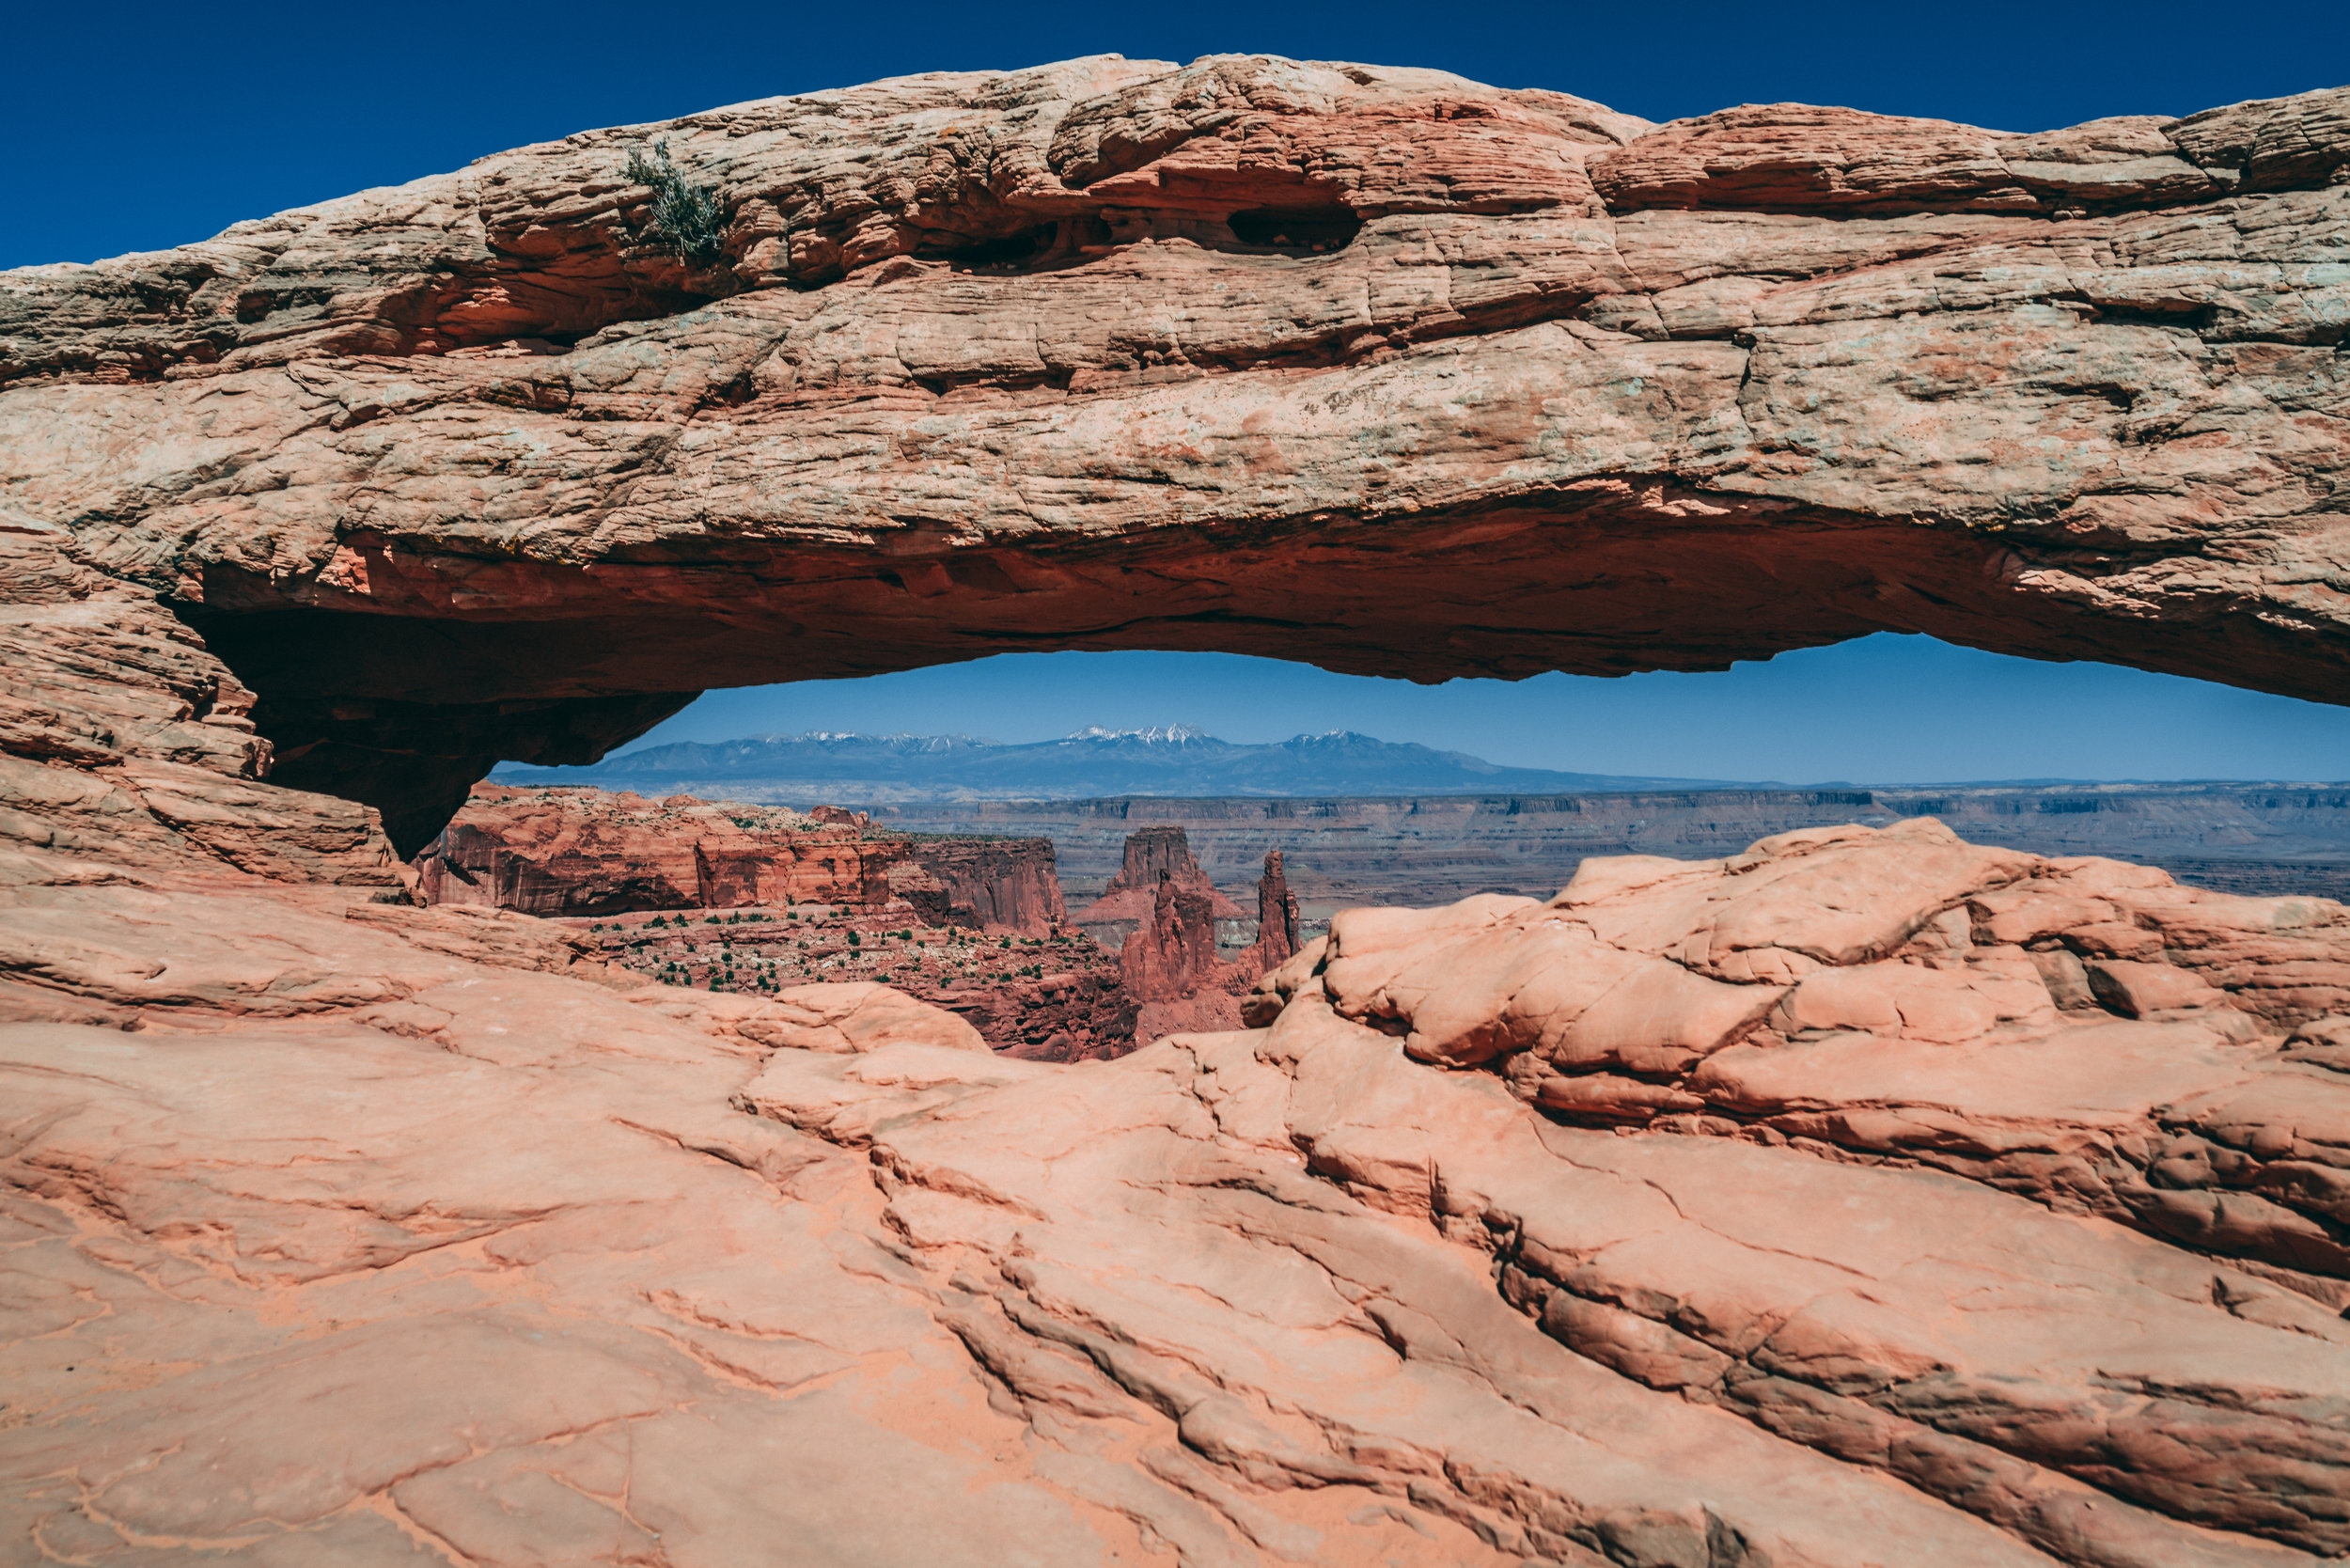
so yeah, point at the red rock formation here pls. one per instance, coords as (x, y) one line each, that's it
(576, 851)
(1864, 1187)
(1865, 1196)
(1506, 394)
(992, 885)
(1154, 855)
(1077, 1012)
(1053, 998)
(1171, 965)
(1276, 921)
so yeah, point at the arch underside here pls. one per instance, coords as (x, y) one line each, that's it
(405, 711)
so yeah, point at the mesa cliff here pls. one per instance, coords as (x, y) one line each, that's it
(576, 851)
(1865, 1195)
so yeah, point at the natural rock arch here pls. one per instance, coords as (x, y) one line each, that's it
(1378, 368)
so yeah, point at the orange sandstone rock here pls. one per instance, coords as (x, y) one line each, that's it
(347, 1221)
(1368, 366)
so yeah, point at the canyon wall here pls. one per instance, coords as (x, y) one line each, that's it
(1430, 379)
(576, 851)
(1433, 849)
(995, 885)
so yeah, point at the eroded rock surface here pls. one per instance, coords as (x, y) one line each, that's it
(1154, 855)
(591, 851)
(1171, 965)
(1374, 367)
(369, 1234)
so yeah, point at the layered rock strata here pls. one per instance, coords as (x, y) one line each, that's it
(574, 852)
(127, 748)
(472, 468)
(2085, 1033)
(1171, 966)
(2263, 838)
(626, 1273)
(1152, 857)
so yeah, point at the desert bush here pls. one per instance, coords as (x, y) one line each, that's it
(686, 219)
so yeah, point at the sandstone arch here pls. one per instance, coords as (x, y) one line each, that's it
(1865, 1186)
(465, 469)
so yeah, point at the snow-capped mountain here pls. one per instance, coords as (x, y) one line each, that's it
(1162, 760)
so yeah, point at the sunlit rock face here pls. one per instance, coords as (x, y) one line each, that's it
(1374, 367)
(1867, 1197)
(576, 852)
(1866, 1186)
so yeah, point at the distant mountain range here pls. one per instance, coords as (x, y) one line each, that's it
(1178, 759)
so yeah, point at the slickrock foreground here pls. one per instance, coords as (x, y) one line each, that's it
(1986, 1210)
(1374, 367)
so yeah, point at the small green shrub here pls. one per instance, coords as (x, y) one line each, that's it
(686, 219)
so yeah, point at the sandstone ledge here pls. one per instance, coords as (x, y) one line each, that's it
(359, 1231)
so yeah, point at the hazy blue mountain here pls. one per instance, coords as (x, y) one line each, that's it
(1176, 760)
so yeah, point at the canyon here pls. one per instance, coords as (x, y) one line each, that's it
(798, 898)
(2270, 838)
(1864, 1195)
(822, 897)
(583, 852)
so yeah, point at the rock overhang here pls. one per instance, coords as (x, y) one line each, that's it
(1374, 367)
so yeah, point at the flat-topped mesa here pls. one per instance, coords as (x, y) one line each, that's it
(579, 852)
(1376, 367)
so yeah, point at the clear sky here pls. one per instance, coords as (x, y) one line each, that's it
(1883, 709)
(136, 126)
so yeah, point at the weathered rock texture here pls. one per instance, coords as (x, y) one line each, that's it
(1866, 1197)
(1153, 856)
(1171, 965)
(1378, 367)
(1050, 998)
(563, 851)
(1978, 1210)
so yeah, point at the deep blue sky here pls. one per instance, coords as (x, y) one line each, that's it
(1883, 710)
(137, 126)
